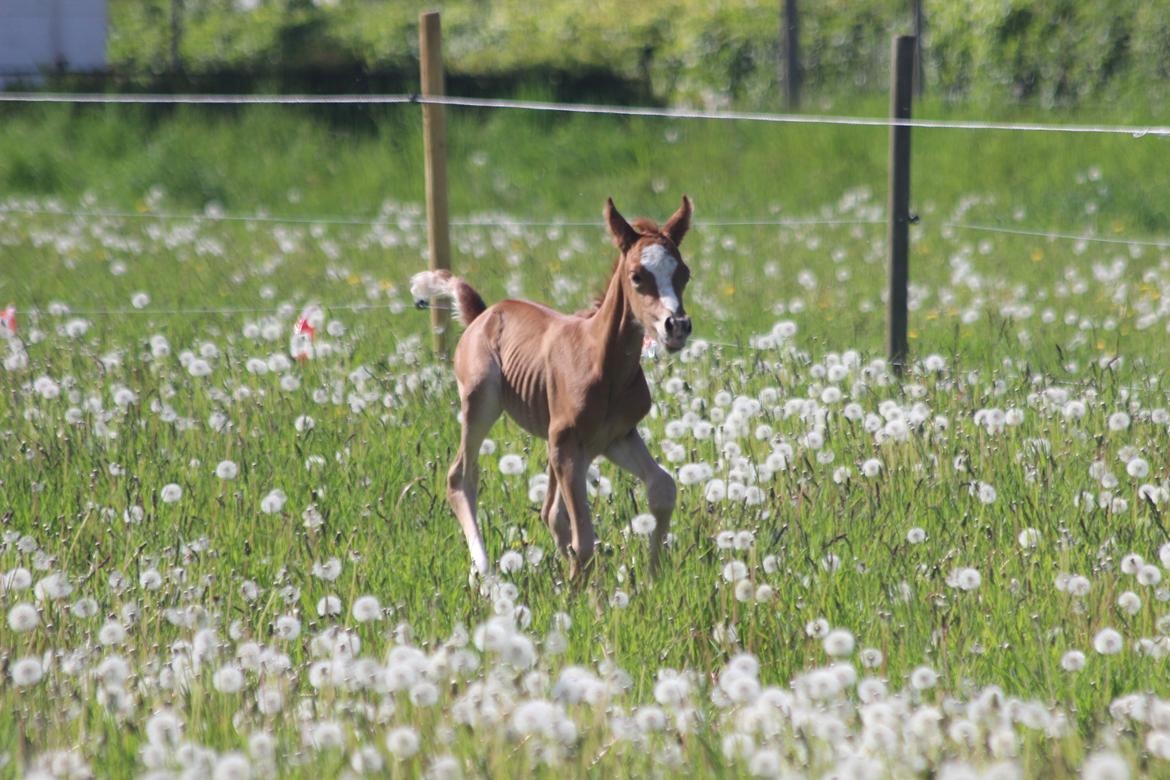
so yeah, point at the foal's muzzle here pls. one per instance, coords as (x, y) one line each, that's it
(676, 330)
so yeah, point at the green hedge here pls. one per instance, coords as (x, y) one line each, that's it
(694, 51)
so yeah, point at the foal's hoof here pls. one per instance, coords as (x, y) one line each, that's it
(579, 571)
(484, 584)
(476, 578)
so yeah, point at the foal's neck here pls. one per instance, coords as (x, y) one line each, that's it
(617, 333)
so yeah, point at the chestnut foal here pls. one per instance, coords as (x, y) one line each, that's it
(575, 380)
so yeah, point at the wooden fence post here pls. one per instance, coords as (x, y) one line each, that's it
(435, 151)
(791, 54)
(176, 35)
(901, 80)
(919, 67)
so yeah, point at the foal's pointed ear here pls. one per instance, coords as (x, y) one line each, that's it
(679, 223)
(624, 236)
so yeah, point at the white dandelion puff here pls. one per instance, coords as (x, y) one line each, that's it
(287, 627)
(1105, 766)
(1108, 642)
(329, 606)
(329, 571)
(1149, 575)
(734, 571)
(23, 617)
(26, 672)
(923, 678)
(644, 524)
(112, 633)
(817, 629)
(1130, 563)
(511, 562)
(1078, 585)
(228, 679)
(1029, 538)
(150, 579)
(511, 465)
(838, 643)
(402, 742)
(366, 609)
(1072, 661)
(1129, 602)
(273, 502)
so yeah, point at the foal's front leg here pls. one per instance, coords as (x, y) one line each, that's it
(630, 454)
(567, 459)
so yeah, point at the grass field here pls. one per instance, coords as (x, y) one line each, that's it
(958, 575)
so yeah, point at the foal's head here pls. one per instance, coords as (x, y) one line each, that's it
(652, 272)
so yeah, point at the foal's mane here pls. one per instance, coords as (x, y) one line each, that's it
(645, 227)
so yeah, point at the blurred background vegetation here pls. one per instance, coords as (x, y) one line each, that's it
(1083, 60)
(1054, 53)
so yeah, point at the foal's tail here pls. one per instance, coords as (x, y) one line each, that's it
(434, 284)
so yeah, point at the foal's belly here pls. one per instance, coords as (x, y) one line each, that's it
(530, 413)
(528, 341)
(613, 426)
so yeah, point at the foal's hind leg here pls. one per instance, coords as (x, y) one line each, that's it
(568, 460)
(480, 404)
(630, 454)
(555, 514)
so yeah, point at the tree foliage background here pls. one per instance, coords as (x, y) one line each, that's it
(1056, 52)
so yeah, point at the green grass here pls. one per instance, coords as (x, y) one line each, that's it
(537, 165)
(380, 487)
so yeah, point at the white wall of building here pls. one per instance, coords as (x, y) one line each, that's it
(38, 34)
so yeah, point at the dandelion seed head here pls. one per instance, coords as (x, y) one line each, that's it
(366, 609)
(734, 571)
(838, 643)
(273, 502)
(511, 465)
(1029, 538)
(1072, 661)
(23, 618)
(228, 679)
(1129, 602)
(402, 742)
(643, 524)
(25, 672)
(329, 606)
(1105, 766)
(923, 678)
(1108, 642)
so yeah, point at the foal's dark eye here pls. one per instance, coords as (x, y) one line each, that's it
(637, 277)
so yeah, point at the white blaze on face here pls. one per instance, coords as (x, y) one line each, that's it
(659, 262)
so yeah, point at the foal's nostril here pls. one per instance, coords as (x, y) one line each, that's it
(677, 326)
